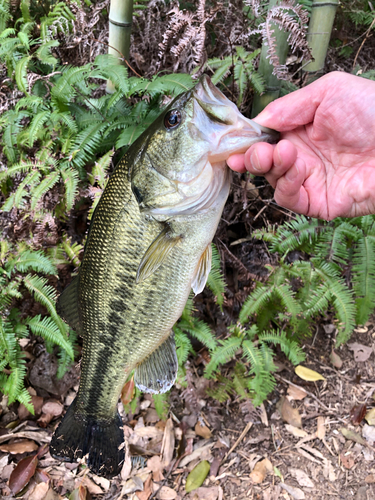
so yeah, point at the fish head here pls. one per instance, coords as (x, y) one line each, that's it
(180, 164)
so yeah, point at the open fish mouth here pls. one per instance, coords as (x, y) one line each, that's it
(229, 131)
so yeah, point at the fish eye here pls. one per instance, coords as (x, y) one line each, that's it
(172, 119)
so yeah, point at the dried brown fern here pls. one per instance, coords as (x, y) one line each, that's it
(289, 17)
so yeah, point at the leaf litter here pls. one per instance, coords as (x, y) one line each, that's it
(210, 446)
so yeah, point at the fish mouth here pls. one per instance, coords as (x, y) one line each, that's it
(224, 126)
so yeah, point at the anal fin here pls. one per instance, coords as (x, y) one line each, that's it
(156, 254)
(158, 372)
(67, 306)
(202, 271)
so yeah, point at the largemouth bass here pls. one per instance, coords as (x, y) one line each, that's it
(149, 244)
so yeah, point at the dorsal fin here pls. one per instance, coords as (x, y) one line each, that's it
(202, 271)
(68, 308)
(158, 372)
(156, 254)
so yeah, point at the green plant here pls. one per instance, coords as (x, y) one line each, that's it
(334, 273)
(244, 73)
(14, 282)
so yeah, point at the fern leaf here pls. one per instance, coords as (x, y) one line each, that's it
(46, 295)
(21, 73)
(36, 126)
(161, 405)
(50, 331)
(215, 280)
(34, 260)
(364, 278)
(223, 353)
(46, 184)
(71, 179)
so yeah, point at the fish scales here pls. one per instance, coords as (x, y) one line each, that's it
(148, 245)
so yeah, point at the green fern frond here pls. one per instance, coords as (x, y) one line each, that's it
(46, 184)
(226, 350)
(71, 180)
(49, 330)
(215, 280)
(183, 345)
(161, 402)
(33, 260)
(21, 73)
(290, 348)
(46, 295)
(363, 273)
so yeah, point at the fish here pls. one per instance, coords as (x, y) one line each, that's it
(148, 245)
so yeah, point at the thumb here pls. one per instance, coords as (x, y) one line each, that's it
(293, 110)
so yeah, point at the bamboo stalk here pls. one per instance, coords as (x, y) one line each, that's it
(273, 84)
(320, 28)
(120, 26)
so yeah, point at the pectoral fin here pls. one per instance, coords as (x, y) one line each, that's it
(202, 271)
(68, 308)
(157, 373)
(156, 254)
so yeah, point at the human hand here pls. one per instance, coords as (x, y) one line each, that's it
(324, 164)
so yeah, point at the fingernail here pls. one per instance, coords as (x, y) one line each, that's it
(293, 172)
(254, 159)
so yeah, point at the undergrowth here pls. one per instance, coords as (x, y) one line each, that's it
(59, 137)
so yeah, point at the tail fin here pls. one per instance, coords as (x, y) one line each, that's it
(77, 435)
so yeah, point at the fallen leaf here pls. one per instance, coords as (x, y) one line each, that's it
(197, 476)
(296, 393)
(102, 481)
(23, 472)
(370, 416)
(166, 493)
(361, 352)
(53, 407)
(368, 432)
(357, 414)
(79, 493)
(92, 488)
(23, 412)
(147, 489)
(335, 359)
(45, 419)
(203, 452)
(202, 430)
(353, 436)
(128, 391)
(347, 460)
(39, 492)
(156, 466)
(39, 437)
(52, 495)
(307, 374)
(300, 433)
(301, 477)
(41, 476)
(149, 432)
(167, 447)
(260, 470)
(321, 429)
(288, 413)
(296, 493)
(328, 470)
(22, 446)
(205, 493)
(370, 479)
